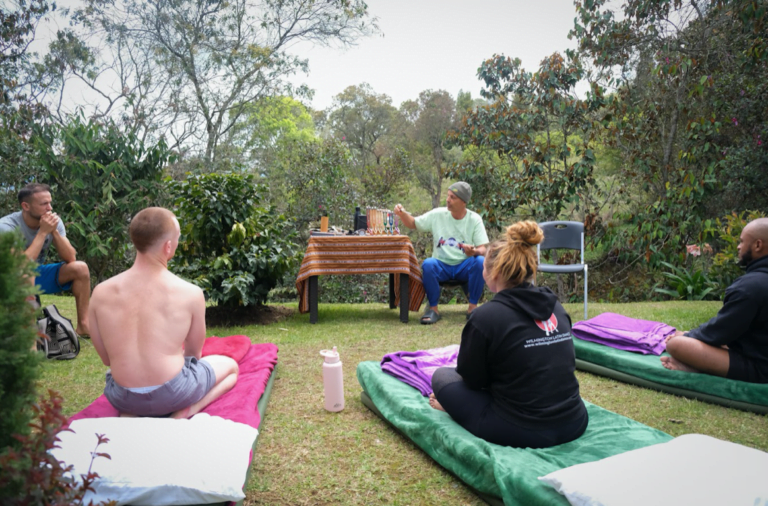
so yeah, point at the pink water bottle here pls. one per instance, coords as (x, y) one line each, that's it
(333, 380)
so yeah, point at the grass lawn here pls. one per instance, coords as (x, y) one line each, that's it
(309, 456)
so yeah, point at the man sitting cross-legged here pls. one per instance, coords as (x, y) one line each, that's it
(148, 326)
(459, 240)
(733, 344)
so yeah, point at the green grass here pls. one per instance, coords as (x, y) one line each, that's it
(309, 456)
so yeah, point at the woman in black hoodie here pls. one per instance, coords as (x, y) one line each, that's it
(514, 383)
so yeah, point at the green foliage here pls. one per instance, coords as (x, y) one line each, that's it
(687, 113)
(188, 69)
(18, 364)
(233, 248)
(533, 151)
(317, 176)
(30, 475)
(687, 284)
(727, 231)
(18, 112)
(100, 178)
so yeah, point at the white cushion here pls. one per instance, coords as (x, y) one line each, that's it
(690, 469)
(161, 461)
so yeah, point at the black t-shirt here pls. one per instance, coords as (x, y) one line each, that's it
(519, 346)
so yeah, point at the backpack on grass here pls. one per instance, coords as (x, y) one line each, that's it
(58, 338)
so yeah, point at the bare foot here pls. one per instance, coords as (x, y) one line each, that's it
(674, 364)
(434, 403)
(83, 331)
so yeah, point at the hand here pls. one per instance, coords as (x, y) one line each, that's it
(399, 209)
(469, 250)
(677, 333)
(48, 222)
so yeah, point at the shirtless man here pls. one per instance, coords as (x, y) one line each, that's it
(148, 326)
(733, 344)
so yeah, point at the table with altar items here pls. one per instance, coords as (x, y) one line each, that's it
(362, 254)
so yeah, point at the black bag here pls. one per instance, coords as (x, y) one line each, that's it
(60, 341)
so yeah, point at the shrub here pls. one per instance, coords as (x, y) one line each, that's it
(687, 284)
(32, 476)
(725, 266)
(100, 178)
(18, 364)
(232, 248)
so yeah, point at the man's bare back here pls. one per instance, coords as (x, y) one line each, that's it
(147, 321)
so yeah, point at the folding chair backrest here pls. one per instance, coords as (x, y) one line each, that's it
(563, 234)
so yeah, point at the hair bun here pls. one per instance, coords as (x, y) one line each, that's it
(528, 232)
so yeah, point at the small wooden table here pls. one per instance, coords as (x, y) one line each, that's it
(352, 254)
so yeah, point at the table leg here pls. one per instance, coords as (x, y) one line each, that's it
(404, 297)
(312, 299)
(392, 304)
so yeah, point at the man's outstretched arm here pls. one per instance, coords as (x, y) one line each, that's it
(408, 220)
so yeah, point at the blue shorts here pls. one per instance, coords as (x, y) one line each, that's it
(194, 380)
(48, 279)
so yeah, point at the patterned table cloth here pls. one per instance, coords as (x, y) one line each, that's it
(361, 255)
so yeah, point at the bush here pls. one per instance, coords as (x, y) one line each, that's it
(100, 178)
(232, 248)
(18, 364)
(32, 476)
(727, 231)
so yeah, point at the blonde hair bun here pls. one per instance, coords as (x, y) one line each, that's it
(527, 232)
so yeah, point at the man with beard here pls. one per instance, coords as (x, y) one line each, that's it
(733, 344)
(41, 227)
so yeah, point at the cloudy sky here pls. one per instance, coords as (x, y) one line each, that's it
(439, 44)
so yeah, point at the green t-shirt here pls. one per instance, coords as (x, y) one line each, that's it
(448, 234)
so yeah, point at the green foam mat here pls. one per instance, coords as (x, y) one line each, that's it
(647, 371)
(499, 474)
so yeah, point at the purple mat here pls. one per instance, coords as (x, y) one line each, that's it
(416, 368)
(624, 333)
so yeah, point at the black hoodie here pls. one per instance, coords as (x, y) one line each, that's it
(519, 346)
(742, 322)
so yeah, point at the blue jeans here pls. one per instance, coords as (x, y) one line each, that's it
(433, 272)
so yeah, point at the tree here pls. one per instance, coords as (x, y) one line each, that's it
(687, 77)
(19, 110)
(268, 125)
(531, 147)
(312, 177)
(190, 68)
(436, 117)
(362, 119)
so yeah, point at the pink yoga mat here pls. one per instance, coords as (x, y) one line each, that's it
(240, 403)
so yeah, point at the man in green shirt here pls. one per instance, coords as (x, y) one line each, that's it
(459, 241)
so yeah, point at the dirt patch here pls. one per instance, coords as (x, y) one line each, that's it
(216, 316)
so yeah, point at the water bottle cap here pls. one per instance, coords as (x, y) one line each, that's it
(331, 356)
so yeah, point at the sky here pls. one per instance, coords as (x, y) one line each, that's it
(438, 45)
(422, 45)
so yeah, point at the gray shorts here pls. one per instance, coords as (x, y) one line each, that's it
(194, 380)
